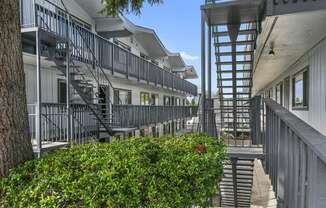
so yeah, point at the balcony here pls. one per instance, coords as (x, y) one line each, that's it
(138, 116)
(116, 60)
(292, 154)
(85, 128)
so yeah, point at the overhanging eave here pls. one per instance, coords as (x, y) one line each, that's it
(232, 12)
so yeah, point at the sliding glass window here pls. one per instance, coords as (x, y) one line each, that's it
(300, 90)
(279, 94)
(122, 97)
(144, 98)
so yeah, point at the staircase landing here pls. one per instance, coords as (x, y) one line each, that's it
(246, 152)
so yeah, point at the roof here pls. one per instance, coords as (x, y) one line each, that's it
(189, 72)
(231, 11)
(120, 26)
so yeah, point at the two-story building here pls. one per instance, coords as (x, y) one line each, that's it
(89, 75)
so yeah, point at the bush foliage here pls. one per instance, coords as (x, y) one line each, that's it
(140, 172)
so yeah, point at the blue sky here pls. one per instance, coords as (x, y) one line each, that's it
(177, 23)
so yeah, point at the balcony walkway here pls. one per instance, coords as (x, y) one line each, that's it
(262, 195)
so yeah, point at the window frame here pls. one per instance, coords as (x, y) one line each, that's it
(59, 82)
(168, 99)
(305, 94)
(149, 97)
(119, 99)
(279, 85)
(156, 101)
(271, 93)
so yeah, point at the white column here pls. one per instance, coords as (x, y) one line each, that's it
(38, 110)
(203, 73)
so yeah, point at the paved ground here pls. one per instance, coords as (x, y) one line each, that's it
(262, 193)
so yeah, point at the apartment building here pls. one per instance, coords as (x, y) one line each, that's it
(93, 76)
(270, 59)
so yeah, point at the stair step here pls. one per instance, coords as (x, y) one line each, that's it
(232, 192)
(249, 42)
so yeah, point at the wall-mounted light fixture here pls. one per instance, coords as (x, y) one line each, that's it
(271, 49)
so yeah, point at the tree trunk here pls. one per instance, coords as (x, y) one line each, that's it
(15, 142)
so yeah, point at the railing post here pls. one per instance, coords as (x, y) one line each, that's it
(93, 49)
(138, 69)
(163, 78)
(156, 75)
(127, 65)
(35, 14)
(148, 64)
(112, 57)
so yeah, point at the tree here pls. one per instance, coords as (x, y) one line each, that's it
(15, 142)
(115, 7)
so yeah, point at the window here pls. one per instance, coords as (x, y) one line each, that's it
(177, 101)
(62, 91)
(300, 90)
(271, 93)
(122, 97)
(167, 100)
(144, 98)
(279, 94)
(88, 91)
(154, 99)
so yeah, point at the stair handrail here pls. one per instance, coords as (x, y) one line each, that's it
(90, 70)
(188, 84)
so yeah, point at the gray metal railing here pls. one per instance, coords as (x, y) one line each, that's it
(295, 158)
(133, 116)
(84, 124)
(213, 1)
(110, 56)
(54, 123)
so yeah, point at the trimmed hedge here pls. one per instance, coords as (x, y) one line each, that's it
(140, 172)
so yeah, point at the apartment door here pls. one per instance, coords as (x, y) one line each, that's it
(103, 100)
(286, 93)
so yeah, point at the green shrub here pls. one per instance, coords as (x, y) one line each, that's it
(143, 172)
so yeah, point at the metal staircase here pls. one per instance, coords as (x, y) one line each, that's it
(84, 77)
(236, 184)
(234, 48)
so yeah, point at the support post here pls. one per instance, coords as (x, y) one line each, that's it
(203, 73)
(210, 115)
(69, 118)
(233, 32)
(209, 62)
(235, 183)
(39, 95)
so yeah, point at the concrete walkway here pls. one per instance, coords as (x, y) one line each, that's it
(262, 193)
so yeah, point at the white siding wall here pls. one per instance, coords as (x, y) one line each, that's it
(136, 48)
(316, 60)
(49, 84)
